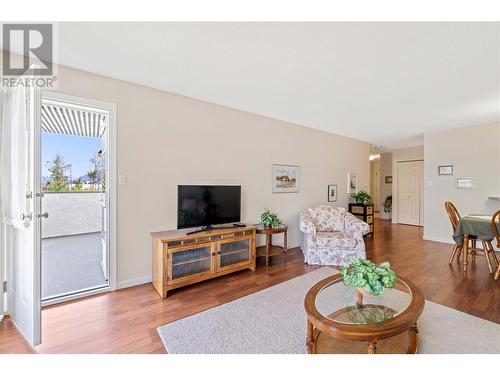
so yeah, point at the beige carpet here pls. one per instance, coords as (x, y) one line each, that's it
(273, 321)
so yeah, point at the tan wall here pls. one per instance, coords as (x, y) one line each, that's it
(385, 189)
(166, 139)
(474, 152)
(375, 182)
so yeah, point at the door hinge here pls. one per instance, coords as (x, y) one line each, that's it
(4, 287)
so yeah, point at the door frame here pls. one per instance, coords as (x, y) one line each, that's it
(111, 204)
(3, 274)
(395, 190)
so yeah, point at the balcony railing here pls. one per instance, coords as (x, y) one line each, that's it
(71, 213)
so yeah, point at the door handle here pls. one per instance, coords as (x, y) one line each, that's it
(44, 215)
(26, 216)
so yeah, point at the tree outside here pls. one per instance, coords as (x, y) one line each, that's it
(58, 181)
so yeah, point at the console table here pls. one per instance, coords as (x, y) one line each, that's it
(181, 259)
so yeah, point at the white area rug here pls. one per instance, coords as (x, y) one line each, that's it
(274, 321)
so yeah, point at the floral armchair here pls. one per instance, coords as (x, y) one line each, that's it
(331, 234)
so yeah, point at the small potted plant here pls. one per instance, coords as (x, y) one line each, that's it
(270, 219)
(366, 276)
(362, 197)
(388, 205)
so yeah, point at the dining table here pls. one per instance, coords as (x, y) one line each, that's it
(473, 226)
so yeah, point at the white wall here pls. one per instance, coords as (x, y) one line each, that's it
(385, 189)
(403, 154)
(166, 139)
(474, 152)
(71, 213)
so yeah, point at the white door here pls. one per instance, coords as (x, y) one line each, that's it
(410, 175)
(22, 204)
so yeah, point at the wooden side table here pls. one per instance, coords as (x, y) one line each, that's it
(270, 250)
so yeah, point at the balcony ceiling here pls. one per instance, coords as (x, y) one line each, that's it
(61, 118)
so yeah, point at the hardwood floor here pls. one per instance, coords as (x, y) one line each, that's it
(125, 321)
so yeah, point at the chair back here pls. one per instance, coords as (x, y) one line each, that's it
(453, 214)
(495, 221)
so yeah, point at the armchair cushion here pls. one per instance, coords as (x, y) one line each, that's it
(327, 219)
(335, 240)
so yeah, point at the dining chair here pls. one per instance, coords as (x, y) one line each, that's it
(454, 217)
(494, 220)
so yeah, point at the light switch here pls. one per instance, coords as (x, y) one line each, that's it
(122, 179)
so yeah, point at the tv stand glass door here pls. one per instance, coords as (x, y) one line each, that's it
(234, 252)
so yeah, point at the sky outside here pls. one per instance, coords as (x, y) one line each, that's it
(75, 150)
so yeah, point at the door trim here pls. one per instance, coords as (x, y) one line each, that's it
(111, 204)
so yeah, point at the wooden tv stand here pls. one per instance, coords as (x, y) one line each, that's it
(181, 259)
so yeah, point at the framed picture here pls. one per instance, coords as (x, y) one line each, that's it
(285, 178)
(352, 183)
(332, 193)
(465, 183)
(445, 170)
(388, 179)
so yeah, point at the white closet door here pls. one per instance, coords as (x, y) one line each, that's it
(409, 176)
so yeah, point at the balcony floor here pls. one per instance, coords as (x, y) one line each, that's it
(71, 263)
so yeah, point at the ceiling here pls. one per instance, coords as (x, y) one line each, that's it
(385, 83)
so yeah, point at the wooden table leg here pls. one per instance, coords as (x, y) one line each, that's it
(372, 348)
(285, 245)
(412, 335)
(268, 247)
(310, 338)
(465, 251)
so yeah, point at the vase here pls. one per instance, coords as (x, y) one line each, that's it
(360, 294)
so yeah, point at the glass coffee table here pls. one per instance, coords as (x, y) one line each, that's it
(341, 319)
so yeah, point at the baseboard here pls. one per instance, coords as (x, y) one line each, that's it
(134, 282)
(438, 239)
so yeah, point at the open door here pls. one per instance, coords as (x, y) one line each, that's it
(20, 208)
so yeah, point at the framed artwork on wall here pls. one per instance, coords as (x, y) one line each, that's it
(352, 183)
(388, 179)
(332, 193)
(465, 183)
(285, 178)
(445, 170)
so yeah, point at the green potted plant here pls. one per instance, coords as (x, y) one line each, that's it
(270, 219)
(366, 276)
(362, 197)
(388, 205)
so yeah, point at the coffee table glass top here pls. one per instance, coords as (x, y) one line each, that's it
(344, 304)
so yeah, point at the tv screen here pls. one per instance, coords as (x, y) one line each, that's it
(207, 205)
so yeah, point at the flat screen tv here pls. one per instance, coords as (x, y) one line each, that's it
(204, 206)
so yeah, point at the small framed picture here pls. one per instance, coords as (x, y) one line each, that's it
(445, 170)
(352, 183)
(332, 193)
(465, 183)
(388, 179)
(285, 178)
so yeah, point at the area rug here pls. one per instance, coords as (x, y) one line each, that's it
(274, 321)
